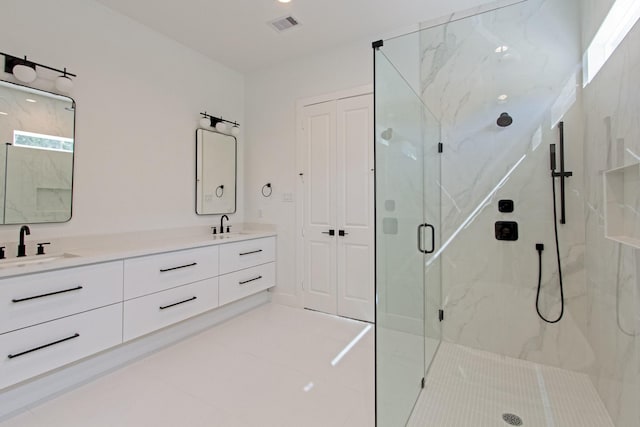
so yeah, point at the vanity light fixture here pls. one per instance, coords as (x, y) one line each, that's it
(2, 113)
(221, 125)
(25, 71)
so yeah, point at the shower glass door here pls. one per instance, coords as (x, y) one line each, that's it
(407, 223)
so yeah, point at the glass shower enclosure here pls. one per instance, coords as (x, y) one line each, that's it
(445, 154)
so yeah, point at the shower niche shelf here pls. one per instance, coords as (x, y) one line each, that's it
(622, 205)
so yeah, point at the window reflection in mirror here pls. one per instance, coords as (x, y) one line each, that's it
(215, 173)
(36, 156)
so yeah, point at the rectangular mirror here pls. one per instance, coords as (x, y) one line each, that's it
(37, 131)
(215, 173)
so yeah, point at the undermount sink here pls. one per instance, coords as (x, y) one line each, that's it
(34, 260)
(231, 234)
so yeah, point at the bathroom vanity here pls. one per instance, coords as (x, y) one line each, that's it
(64, 307)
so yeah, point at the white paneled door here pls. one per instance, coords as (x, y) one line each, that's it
(338, 207)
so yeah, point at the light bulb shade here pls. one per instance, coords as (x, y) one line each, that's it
(221, 127)
(64, 84)
(24, 73)
(205, 122)
(235, 131)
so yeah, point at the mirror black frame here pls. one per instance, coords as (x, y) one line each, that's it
(235, 183)
(73, 154)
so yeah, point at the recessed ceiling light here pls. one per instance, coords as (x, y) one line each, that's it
(503, 97)
(31, 100)
(284, 1)
(502, 49)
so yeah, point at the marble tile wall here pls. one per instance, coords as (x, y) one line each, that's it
(612, 139)
(489, 286)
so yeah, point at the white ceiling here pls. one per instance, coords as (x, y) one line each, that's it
(235, 32)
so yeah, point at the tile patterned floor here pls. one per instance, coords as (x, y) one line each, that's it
(467, 387)
(269, 367)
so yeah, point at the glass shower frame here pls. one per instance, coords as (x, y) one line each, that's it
(512, 66)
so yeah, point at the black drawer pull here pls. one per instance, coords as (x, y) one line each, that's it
(250, 280)
(77, 288)
(11, 356)
(164, 270)
(177, 303)
(252, 252)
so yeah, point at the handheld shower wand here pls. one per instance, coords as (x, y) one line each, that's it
(539, 246)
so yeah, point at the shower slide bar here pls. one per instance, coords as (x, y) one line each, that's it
(562, 174)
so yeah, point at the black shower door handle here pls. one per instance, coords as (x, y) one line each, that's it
(433, 238)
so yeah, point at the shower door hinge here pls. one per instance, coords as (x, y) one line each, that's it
(377, 44)
(422, 383)
(440, 147)
(441, 315)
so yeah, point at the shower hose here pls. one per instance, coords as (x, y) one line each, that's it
(539, 249)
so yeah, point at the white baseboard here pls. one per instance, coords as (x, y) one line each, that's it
(20, 397)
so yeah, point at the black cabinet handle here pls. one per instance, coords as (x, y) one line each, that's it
(164, 270)
(252, 252)
(250, 280)
(177, 303)
(330, 232)
(11, 356)
(342, 233)
(77, 288)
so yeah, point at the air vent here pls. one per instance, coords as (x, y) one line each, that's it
(285, 23)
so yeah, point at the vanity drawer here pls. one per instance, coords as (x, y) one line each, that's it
(153, 273)
(38, 349)
(243, 283)
(239, 255)
(148, 313)
(36, 298)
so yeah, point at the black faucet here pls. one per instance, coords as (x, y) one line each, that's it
(221, 223)
(22, 249)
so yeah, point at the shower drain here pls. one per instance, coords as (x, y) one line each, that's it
(512, 419)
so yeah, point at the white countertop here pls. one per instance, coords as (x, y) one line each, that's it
(86, 250)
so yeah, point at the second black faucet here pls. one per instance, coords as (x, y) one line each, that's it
(222, 223)
(22, 249)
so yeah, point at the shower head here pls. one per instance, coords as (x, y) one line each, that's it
(504, 120)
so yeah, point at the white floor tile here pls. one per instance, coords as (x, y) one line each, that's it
(269, 367)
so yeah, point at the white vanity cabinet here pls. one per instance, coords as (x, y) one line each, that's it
(153, 273)
(148, 313)
(249, 266)
(36, 298)
(163, 289)
(247, 253)
(32, 351)
(50, 319)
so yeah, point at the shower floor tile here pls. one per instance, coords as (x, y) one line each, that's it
(467, 387)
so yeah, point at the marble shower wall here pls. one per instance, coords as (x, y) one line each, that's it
(489, 286)
(612, 139)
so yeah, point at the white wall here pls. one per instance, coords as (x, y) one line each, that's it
(138, 97)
